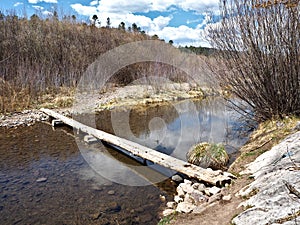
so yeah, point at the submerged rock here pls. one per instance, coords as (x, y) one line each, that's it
(208, 155)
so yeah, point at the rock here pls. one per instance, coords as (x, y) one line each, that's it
(186, 187)
(185, 207)
(178, 199)
(214, 190)
(206, 192)
(229, 175)
(188, 199)
(268, 194)
(177, 178)
(208, 155)
(215, 198)
(201, 187)
(111, 192)
(180, 191)
(42, 179)
(113, 207)
(162, 198)
(96, 215)
(186, 181)
(226, 198)
(171, 205)
(168, 212)
(198, 197)
(195, 186)
(297, 127)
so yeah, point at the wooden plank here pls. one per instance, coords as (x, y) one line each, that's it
(217, 178)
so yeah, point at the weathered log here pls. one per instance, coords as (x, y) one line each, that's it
(206, 175)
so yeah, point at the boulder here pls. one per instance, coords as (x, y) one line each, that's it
(186, 187)
(208, 155)
(177, 178)
(185, 207)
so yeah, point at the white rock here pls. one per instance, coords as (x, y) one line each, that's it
(168, 212)
(171, 205)
(226, 198)
(226, 174)
(207, 192)
(180, 191)
(201, 187)
(42, 179)
(178, 199)
(186, 181)
(185, 207)
(186, 187)
(272, 199)
(214, 190)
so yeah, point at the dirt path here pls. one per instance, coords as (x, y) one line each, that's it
(219, 214)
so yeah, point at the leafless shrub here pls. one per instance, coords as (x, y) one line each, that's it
(38, 55)
(261, 53)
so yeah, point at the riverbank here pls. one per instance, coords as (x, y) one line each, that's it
(220, 208)
(265, 174)
(128, 96)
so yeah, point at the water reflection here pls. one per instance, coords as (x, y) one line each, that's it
(174, 128)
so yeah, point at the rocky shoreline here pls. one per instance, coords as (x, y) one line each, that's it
(274, 195)
(24, 118)
(194, 197)
(267, 190)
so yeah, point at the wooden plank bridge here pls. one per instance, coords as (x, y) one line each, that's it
(217, 178)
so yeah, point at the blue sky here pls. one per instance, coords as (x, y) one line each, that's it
(183, 21)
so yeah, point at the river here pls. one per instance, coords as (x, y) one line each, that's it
(46, 177)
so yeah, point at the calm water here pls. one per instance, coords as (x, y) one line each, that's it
(70, 191)
(174, 129)
(50, 177)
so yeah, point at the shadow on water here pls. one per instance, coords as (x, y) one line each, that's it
(45, 180)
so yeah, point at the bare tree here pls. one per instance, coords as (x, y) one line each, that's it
(260, 49)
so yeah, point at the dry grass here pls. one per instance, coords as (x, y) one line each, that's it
(267, 135)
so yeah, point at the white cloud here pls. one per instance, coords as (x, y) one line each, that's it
(37, 1)
(37, 7)
(18, 3)
(125, 11)
(199, 5)
(84, 10)
(93, 3)
(178, 33)
(47, 13)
